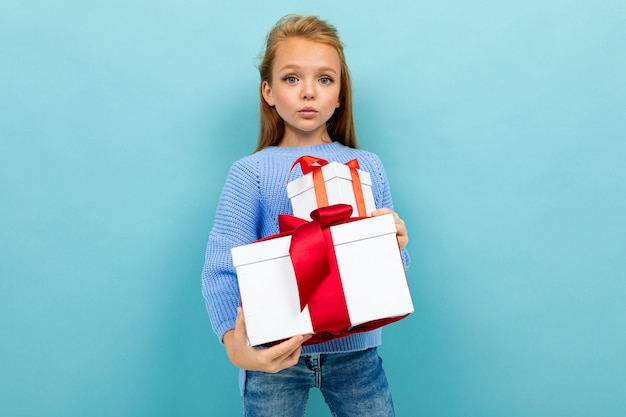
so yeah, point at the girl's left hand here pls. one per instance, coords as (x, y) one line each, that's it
(402, 233)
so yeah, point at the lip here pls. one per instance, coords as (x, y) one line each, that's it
(307, 112)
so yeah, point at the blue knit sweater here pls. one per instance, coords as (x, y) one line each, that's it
(253, 196)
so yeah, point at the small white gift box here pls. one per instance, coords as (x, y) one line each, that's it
(371, 274)
(337, 184)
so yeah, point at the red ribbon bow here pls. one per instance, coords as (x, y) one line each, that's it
(315, 265)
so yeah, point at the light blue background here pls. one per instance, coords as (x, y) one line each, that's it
(502, 125)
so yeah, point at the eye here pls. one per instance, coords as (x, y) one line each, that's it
(326, 80)
(291, 79)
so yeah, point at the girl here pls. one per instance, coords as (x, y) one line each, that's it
(306, 109)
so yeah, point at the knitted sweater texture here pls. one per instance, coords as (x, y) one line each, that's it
(253, 196)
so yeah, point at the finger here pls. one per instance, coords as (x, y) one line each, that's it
(292, 358)
(400, 226)
(402, 233)
(403, 242)
(286, 348)
(381, 211)
(240, 324)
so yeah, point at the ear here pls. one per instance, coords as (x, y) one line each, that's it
(266, 90)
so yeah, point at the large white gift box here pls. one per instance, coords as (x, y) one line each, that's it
(371, 273)
(338, 187)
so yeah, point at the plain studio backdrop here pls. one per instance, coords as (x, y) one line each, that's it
(502, 125)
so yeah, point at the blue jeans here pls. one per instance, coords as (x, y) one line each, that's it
(353, 384)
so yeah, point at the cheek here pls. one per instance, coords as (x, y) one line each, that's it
(338, 102)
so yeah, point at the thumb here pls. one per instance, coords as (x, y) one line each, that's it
(240, 325)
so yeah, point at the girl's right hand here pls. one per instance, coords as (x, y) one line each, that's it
(272, 359)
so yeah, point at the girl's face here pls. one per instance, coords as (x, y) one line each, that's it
(305, 89)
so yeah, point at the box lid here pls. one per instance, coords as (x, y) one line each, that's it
(266, 250)
(261, 251)
(368, 228)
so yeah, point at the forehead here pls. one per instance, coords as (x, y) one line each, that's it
(306, 54)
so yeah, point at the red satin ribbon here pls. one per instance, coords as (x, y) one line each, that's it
(315, 264)
(312, 164)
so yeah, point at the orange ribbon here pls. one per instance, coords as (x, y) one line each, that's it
(308, 164)
(312, 164)
(356, 186)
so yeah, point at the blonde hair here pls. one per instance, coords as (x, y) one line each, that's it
(341, 125)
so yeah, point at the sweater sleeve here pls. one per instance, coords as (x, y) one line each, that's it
(236, 224)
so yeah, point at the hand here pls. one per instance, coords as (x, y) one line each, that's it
(273, 359)
(402, 234)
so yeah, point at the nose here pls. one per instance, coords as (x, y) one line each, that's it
(308, 90)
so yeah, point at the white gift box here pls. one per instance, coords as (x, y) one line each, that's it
(339, 190)
(370, 266)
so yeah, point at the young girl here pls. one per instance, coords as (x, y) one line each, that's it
(306, 109)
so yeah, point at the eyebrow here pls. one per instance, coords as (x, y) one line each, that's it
(297, 67)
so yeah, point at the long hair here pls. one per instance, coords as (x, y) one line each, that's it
(341, 125)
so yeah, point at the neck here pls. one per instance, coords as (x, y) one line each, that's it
(293, 138)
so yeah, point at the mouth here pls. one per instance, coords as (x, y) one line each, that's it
(307, 112)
